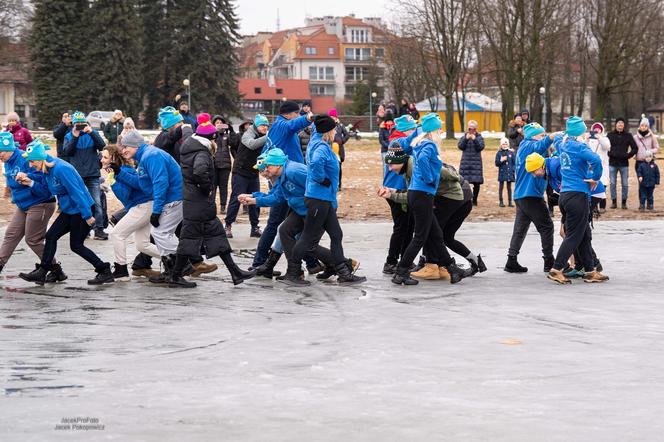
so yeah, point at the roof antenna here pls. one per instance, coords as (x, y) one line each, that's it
(278, 22)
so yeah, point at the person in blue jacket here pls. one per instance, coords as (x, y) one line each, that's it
(160, 176)
(402, 220)
(82, 146)
(529, 199)
(322, 185)
(75, 218)
(138, 206)
(421, 191)
(505, 162)
(576, 159)
(283, 134)
(34, 206)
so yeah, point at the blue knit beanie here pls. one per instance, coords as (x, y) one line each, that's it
(169, 117)
(78, 117)
(575, 126)
(261, 120)
(275, 157)
(405, 122)
(36, 151)
(7, 143)
(431, 122)
(532, 129)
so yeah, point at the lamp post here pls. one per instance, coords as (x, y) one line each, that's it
(372, 95)
(186, 83)
(542, 92)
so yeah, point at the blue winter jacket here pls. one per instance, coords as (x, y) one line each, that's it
(527, 184)
(576, 158)
(67, 185)
(471, 167)
(427, 165)
(283, 134)
(322, 163)
(506, 169)
(553, 175)
(83, 152)
(123, 190)
(26, 196)
(650, 173)
(290, 187)
(158, 174)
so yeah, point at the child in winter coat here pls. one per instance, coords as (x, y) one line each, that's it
(648, 174)
(505, 162)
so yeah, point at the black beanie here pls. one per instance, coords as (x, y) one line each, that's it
(395, 154)
(619, 119)
(324, 123)
(288, 106)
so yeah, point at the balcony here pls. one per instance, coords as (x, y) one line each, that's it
(322, 81)
(357, 61)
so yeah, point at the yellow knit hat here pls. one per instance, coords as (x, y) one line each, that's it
(534, 161)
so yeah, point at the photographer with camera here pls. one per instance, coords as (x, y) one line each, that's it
(82, 146)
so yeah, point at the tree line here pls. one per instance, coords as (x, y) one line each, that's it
(132, 55)
(516, 47)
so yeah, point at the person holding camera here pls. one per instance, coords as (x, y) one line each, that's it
(472, 145)
(227, 144)
(82, 145)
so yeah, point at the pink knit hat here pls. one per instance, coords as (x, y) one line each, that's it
(333, 113)
(205, 126)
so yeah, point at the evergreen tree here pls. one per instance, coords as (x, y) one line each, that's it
(59, 70)
(156, 44)
(115, 57)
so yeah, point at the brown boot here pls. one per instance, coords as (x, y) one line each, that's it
(429, 272)
(203, 267)
(444, 274)
(595, 276)
(558, 276)
(146, 273)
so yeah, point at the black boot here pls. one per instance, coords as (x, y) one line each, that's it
(38, 275)
(346, 276)
(120, 272)
(614, 204)
(238, 275)
(389, 269)
(267, 268)
(513, 266)
(478, 266)
(292, 276)
(104, 275)
(624, 204)
(326, 274)
(456, 272)
(56, 274)
(402, 276)
(175, 279)
(319, 267)
(548, 263)
(167, 263)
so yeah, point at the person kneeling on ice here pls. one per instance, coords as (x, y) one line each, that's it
(34, 206)
(76, 215)
(289, 185)
(200, 226)
(138, 204)
(576, 159)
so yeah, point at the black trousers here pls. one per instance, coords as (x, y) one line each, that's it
(321, 217)
(501, 186)
(551, 197)
(292, 226)
(221, 181)
(241, 184)
(450, 215)
(476, 192)
(531, 210)
(575, 208)
(426, 227)
(78, 231)
(402, 231)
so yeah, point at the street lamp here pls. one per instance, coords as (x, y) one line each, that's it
(542, 92)
(372, 95)
(186, 83)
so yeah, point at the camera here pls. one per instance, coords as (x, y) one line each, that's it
(80, 126)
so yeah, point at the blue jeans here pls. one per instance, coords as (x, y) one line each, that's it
(94, 187)
(624, 183)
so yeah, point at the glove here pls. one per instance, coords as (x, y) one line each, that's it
(115, 168)
(326, 182)
(154, 219)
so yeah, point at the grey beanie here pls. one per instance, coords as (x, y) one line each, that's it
(133, 138)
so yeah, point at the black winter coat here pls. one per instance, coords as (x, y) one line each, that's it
(200, 225)
(471, 159)
(59, 133)
(304, 136)
(341, 136)
(171, 142)
(514, 136)
(227, 144)
(251, 146)
(623, 147)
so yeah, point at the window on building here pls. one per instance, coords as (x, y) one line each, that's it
(20, 110)
(380, 52)
(3, 105)
(329, 73)
(321, 90)
(357, 53)
(357, 73)
(321, 73)
(280, 91)
(257, 90)
(310, 50)
(359, 36)
(330, 51)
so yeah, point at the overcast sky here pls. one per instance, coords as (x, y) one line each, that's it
(261, 15)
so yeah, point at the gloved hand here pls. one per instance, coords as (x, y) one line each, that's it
(116, 169)
(326, 182)
(154, 219)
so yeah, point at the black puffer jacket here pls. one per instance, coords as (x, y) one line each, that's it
(623, 147)
(200, 224)
(250, 148)
(227, 144)
(471, 158)
(171, 142)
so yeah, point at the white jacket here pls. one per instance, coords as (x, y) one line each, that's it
(601, 146)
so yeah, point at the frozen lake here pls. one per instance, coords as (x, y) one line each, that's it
(496, 357)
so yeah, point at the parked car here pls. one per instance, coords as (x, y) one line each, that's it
(99, 119)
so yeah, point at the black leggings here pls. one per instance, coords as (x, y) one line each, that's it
(501, 186)
(402, 231)
(575, 208)
(452, 222)
(321, 217)
(293, 226)
(221, 182)
(426, 227)
(78, 231)
(476, 192)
